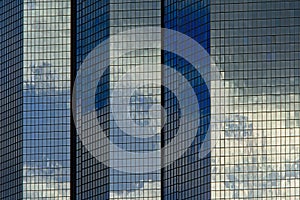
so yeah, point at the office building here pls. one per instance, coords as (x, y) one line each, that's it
(254, 148)
(35, 99)
(232, 133)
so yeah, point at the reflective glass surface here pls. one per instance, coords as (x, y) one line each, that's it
(124, 16)
(96, 22)
(256, 46)
(92, 28)
(189, 176)
(36, 100)
(46, 99)
(11, 37)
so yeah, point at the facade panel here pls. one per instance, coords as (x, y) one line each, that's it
(92, 28)
(97, 21)
(35, 99)
(189, 176)
(256, 45)
(11, 99)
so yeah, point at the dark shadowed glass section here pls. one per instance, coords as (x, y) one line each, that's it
(92, 28)
(189, 176)
(11, 99)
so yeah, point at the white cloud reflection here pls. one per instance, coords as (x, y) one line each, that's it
(45, 182)
(150, 190)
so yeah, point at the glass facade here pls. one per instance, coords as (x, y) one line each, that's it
(125, 16)
(35, 137)
(11, 165)
(189, 176)
(254, 149)
(92, 28)
(96, 21)
(255, 46)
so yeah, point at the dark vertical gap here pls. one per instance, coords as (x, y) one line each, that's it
(162, 100)
(72, 123)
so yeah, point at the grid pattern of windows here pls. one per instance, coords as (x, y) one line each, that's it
(256, 44)
(35, 99)
(125, 16)
(92, 28)
(96, 20)
(189, 176)
(11, 26)
(46, 99)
